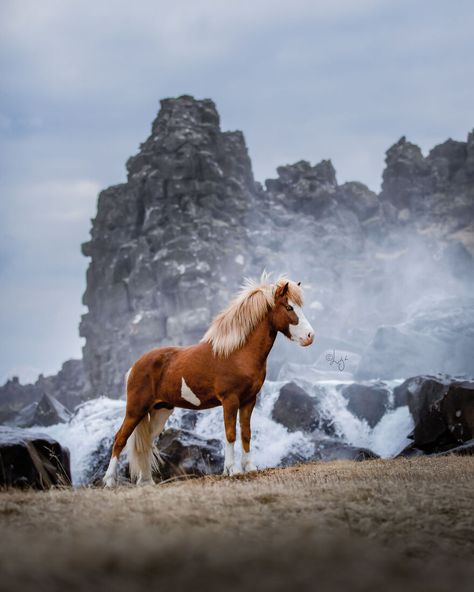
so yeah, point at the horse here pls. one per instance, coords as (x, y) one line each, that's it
(227, 367)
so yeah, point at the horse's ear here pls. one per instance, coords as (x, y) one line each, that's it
(282, 291)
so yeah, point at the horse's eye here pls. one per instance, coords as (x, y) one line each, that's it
(289, 308)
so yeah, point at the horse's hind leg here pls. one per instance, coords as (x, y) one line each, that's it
(129, 424)
(158, 419)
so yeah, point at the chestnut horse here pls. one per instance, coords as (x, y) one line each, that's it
(226, 368)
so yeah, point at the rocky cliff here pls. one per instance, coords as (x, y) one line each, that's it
(167, 245)
(170, 246)
(389, 277)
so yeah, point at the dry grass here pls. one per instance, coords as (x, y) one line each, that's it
(403, 524)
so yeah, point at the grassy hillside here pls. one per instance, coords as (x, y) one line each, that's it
(400, 524)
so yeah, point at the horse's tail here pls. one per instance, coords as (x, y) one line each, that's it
(141, 451)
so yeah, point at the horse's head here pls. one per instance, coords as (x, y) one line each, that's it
(288, 318)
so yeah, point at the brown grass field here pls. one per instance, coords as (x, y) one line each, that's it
(375, 525)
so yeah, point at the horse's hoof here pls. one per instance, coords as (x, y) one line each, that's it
(231, 470)
(248, 468)
(109, 482)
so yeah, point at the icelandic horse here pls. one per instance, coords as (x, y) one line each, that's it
(227, 367)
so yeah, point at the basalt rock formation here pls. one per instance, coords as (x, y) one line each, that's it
(20, 404)
(170, 246)
(167, 245)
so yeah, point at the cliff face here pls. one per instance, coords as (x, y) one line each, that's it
(169, 247)
(434, 190)
(162, 242)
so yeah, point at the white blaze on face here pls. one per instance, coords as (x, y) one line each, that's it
(188, 395)
(302, 333)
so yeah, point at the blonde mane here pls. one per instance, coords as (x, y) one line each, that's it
(231, 328)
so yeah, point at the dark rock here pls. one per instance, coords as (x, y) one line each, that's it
(420, 392)
(367, 401)
(466, 449)
(32, 460)
(296, 410)
(457, 409)
(410, 451)
(189, 420)
(443, 411)
(184, 453)
(49, 411)
(14, 396)
(70, 386)
(328, 450)
(25, 417)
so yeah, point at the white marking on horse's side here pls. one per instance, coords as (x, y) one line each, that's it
(110, 477)
(303, 330)
(188, 395)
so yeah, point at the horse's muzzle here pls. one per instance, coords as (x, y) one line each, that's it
(308, 340)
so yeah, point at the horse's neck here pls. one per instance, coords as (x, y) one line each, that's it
(260, 342)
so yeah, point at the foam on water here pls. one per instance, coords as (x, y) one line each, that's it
(271, 442)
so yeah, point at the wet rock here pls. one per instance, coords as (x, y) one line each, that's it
(328, 450)
(32, 460)
(443, 411)
(296, 410)
(189, 420)
(367, 401)
(420, 392)
(184, 453)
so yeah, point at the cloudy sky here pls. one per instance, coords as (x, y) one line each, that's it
(81, 83)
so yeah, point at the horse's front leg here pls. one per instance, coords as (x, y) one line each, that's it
(231, 407)
(245, 413)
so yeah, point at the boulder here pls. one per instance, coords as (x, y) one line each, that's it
(32, 460)
(329, 449)
(184, 453)
(442, 409)
(49, 411)
(189, 420)
(296, 410)
(367, 401)
(420, 392)
(334, 449)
